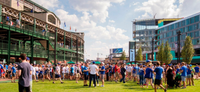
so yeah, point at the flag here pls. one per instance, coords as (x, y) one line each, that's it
(70, 28)
(64, 24)
(17, 2)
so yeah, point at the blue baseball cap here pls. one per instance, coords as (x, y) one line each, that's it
(27, 58)
(93, 62)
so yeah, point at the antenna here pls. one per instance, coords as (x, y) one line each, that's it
(154, 16)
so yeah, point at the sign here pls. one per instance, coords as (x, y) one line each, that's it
(132, 55)
(118, 50)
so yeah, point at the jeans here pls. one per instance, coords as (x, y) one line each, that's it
(92, 77)
(63, 74)
(36, 74)
(97, 78)
(123, 78)
(141, 79)
(51, 74)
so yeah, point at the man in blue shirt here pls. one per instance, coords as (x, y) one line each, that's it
(196, 71)
(183, 71)
(136, 69)
(158, 71)
(86, 73)
(102, 73)
(13, 72)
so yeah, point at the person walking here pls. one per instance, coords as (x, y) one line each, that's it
(13, 72)
(158, 71)
(117, 71)
(123, 73)
(129, 71)
(148, 75)
(57, 73)
(24, 72)
(93, 71)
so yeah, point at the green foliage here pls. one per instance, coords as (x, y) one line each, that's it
(188, 51)
(167, 58)
(123, 57)
(160, 56)
(139, 56)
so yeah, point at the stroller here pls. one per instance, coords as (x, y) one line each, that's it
(177, 80)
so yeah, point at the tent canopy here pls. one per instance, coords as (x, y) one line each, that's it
(71, 62)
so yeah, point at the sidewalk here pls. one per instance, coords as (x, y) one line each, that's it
(6, 80)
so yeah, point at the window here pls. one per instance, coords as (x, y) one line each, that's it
(183, 23)
(51, 19)
(196, 34)
(186, 29)
(187, 21)
(191, 20)
(196, 18)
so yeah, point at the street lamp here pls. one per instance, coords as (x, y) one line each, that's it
(152, 48)
(179, 34)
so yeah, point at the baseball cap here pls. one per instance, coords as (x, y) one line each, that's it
(93, 62)
(27, 58)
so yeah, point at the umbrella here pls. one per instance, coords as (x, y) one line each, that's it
(71, 62)
(127, 63)
(97, 62)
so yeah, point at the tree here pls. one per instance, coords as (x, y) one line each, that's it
(160, 56)
(123, 57)
(139, 56)
(188, 51)
(167, 58)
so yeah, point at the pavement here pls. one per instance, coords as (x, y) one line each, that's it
(6, 80)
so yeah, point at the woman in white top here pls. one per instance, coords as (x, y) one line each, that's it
(63, 71)
(67, 71)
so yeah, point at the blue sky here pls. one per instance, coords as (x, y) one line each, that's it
(107, 23)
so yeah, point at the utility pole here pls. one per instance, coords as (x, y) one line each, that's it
(152, 48)
(179, 34)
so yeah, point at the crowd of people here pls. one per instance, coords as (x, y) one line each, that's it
(146, 74)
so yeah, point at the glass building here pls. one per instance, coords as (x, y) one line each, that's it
(188, 26)
(144, 31)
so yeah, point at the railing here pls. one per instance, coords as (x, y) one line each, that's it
(23, 27)
(18, 48)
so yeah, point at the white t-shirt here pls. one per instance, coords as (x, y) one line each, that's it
(93, 69)
(63, 69)
(67, 69)
(57, 70)
(77, 69)
(33, 71)
(129, 69)
(36, 68)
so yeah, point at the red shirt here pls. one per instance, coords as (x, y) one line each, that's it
(117, 69)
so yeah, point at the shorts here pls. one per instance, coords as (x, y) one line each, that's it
(189, 76)
(196, 73)
(109, 74)
(85, 77)
(157, 82)
(31, 86)
(13, 74)
(129, 74)
(134, 75)
(78, 75)
(57, 76)
(102, 76)
(71, 74)
(66, 74)
(116, 74)
(183, 78)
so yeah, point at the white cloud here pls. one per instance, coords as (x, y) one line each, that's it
(133, 4)
(111, 21)
(47, 3)
(98, 8)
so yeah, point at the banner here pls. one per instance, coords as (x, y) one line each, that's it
(132, 55)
